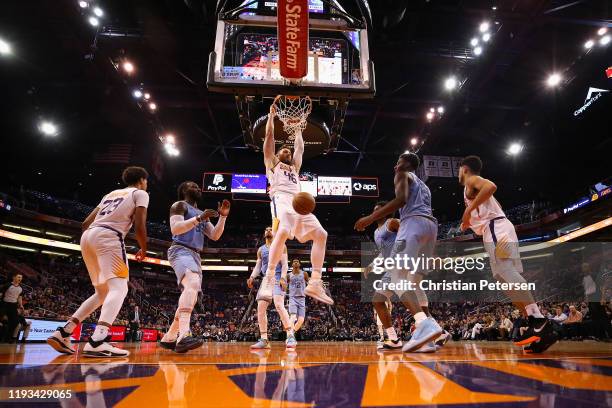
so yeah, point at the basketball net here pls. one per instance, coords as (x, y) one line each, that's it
(293, 112)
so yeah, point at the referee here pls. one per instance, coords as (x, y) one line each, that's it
(11, 302)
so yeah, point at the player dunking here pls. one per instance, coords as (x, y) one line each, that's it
(280, 287)
(297, 301)
(103, 251)
(282, 170)
(483, 215)
(416, 237)
(189, 225)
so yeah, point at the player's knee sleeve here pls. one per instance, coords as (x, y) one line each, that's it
(117, 287)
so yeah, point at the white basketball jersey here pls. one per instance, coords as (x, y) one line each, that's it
(485, 212)
(283, 178)
(116, 210)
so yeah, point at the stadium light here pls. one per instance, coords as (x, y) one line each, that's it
(147, 96)
(83, 4)
(604, 40)
(153, 106)
(440, 109)
(484, 27)
(5, 48)
(171, 149)
(486, 37)
(477, 50)
(98, 11)
(137, 94)
(450, 83)
(432, 110)
(414, 141)
(553, 80)
(514, 149)
(48, 128)
(429, 116)
(602, 31)
(589, 44)
(93, 21)
(474, 42)
(128, 67)
(169, 138)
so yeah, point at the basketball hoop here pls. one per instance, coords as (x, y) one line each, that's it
(293, 112)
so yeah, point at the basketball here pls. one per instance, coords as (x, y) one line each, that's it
(303, 203)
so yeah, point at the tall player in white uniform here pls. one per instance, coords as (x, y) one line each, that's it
(104, 255)
(485, 217)
(282, 170)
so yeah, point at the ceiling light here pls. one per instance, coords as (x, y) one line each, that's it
(152, 106)
(429, 115)
(83, 4)
(93, 21)
(128, 67)
(589, 44)
(484, 27)
(48, 128)
(137, 93)
(5, 47)
(414, 141)
(486, 37)
(477, 50)
(474, 42)
(602, 31)
(514, 149)
(98, 11)
(450, 83)
(553, 80)
(604, 40)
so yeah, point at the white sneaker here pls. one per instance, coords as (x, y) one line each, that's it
(267, 284)
(60, 341)
(427, 348)
(317, 290)
(380, 344)
(103, 349)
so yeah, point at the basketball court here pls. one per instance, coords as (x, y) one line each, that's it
(312, 61)
(319, 374)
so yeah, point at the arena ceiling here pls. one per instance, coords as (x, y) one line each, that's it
(60, 70)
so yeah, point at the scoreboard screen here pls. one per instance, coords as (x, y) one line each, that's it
(249, 183)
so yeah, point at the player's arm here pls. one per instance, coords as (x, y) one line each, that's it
(178, 223)
(306, 277)
(401, 195)
(486, 188)
(270, 159)
(215, 232)
(256, 270)
(90, 218)
(140, 223)
(298, 151)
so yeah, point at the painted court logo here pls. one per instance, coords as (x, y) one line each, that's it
(592, 95)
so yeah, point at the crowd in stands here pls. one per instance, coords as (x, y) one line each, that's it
(226, 308)
(235, 236)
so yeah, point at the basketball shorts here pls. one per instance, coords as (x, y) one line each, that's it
(183, 259)
(104, 254)
(300, 226)
(297, 306)
(416, 238)
(502, 245)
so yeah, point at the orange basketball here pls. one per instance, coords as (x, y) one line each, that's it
(303, 203)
